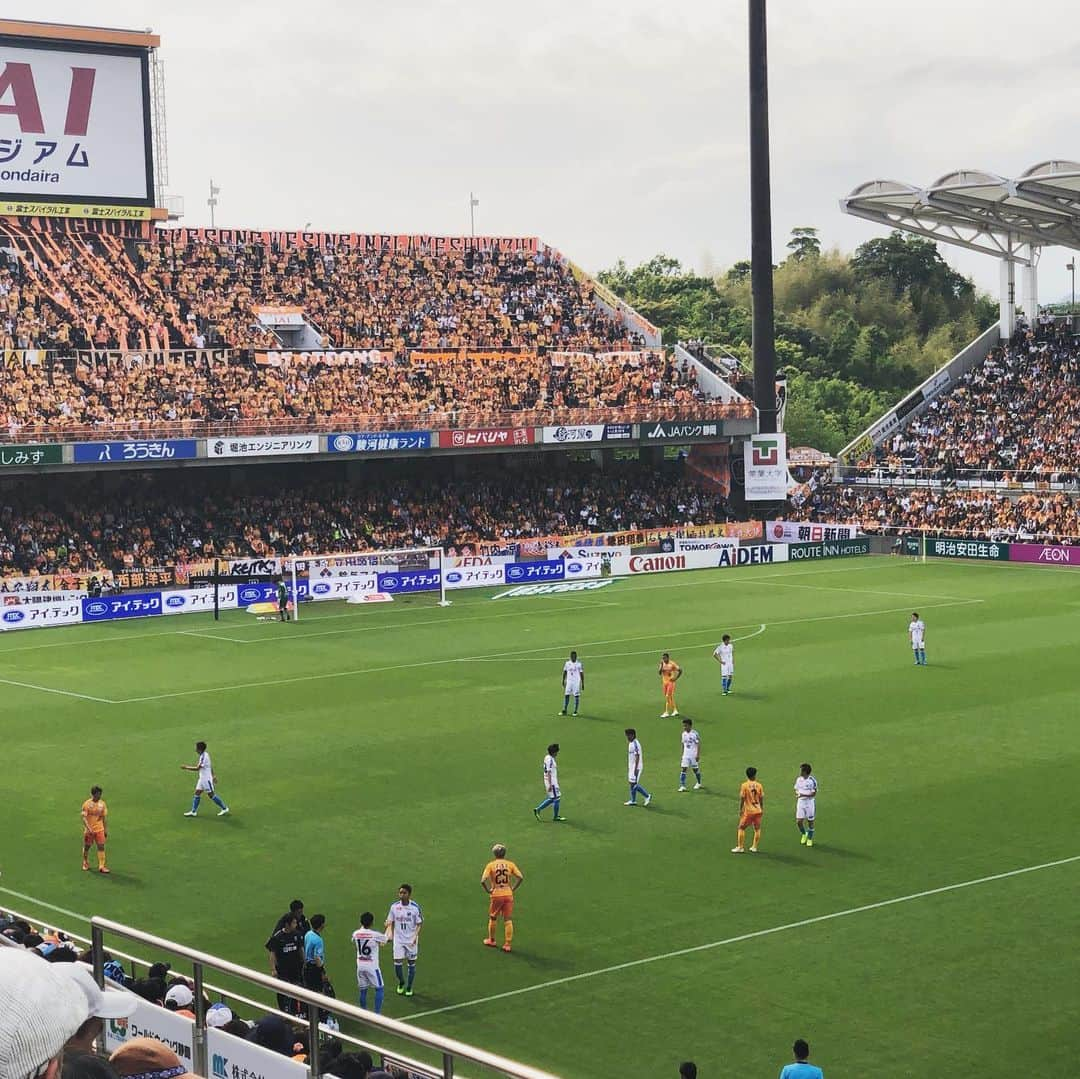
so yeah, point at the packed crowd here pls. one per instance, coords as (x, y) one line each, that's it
(162, 519)
(97, 291)
(1047, 517)
(1018, 412)
(182, 394)
(45, 975)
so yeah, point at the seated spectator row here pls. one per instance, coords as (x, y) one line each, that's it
(81, 291)
(1050, 518)
(163, 518)
(1018, 411)
(203, 392)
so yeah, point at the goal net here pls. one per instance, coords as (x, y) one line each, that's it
(367, 576)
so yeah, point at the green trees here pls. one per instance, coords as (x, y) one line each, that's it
(854, 334)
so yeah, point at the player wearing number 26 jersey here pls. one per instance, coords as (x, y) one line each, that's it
(500, 879)
(368, 976)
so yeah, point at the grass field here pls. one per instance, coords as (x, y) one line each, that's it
(363, 747)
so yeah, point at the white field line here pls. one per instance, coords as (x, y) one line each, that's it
(881, 563)
(48, 906)
(59, 692)
(606, 655)
(711, 635)
(748, 936)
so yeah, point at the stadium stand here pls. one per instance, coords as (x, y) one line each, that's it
(995, 457)
(164, 518)
(110, 337)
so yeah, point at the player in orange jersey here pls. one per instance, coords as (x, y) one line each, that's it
(95, 818)
(670, 672)
(751, 809)
(500, 879)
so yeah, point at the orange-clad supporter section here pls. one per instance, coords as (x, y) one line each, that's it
(112, 335)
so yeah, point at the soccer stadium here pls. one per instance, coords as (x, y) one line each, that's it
(342, 573)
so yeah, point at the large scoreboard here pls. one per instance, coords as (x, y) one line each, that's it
(76, 128)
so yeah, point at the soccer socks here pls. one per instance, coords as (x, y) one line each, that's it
(740, 836)
(508, 931)
(725, 683)
(412, 974)
(195, 803)
(757, 837)
(566, 702)
(379, 994)
(922, 656)
(682, 778)
(810, 832)
(545, 803)
(577, 705)
(399, 973)
(555, 808)
(363, 997)
(638, 788)
(802, 829)
(697, 774)
(493, 924)
(217, 801)
(101, 858)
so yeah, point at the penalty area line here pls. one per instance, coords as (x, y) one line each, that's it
(749, 936)
(59, 692)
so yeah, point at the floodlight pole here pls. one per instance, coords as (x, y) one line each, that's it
(761, 267)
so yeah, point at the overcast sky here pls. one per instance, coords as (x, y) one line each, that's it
(609, 128)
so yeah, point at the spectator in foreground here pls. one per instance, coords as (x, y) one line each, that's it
(86, 1066)
(102, 1004)
(147, 1058)
(687, 1070)
(801, 1069)
(41, 1007)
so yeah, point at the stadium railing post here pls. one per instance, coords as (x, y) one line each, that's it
(295, 606)
(313, 1038)
(198, 1048)
(448, 1065)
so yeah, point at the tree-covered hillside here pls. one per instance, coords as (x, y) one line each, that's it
(853, 333)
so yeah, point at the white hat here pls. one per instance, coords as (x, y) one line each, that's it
(180, 995)
(217, 1015)
(40, 1008)
(104, 1003)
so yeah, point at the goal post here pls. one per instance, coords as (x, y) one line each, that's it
(348, 574)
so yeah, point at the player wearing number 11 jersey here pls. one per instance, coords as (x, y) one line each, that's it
(500, 879)
(368, 975)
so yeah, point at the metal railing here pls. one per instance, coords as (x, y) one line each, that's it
(450, 1049)
(125, 430)
(1003, 480)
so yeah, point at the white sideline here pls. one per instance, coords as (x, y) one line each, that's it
(49, 906)
(473, 659)
(60, 692)
(746, 936)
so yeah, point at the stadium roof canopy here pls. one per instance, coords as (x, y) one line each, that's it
(982, 211)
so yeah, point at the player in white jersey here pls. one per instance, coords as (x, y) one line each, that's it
(573, 682)
(917, 632)
(368, 975)
(635, 763)
(404, 921)
(551, 784)
(805, 805)
(691, 754)
(205, 783)
(724, 654)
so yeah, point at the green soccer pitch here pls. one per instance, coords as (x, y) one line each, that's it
(932, 928)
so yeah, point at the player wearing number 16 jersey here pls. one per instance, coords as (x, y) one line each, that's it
(368, 976)
(500, 879)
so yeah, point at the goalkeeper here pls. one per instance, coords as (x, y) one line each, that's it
(283, 600)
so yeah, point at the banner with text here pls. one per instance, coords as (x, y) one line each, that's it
(807, 532)
(943, 547)
(231, 1057)
(1044, 554)
(841, 548)
(562, 436)
(681, 545)
(486, 437)
(16, 456)
(353, 242)
(268, 446)
(131, 605)
(680, 430)
(175, 449)
(150, 1021)
(31, 615)
(379, 441)
(723, 558)
(765, 472)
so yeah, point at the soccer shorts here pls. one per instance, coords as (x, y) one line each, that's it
(368, 977)
(804, 809)
(94, 835)
(204, 788)
(405, 951)
(750, 820)
(689, 762)
(501, 904)
(572, 690)
(727, 670)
